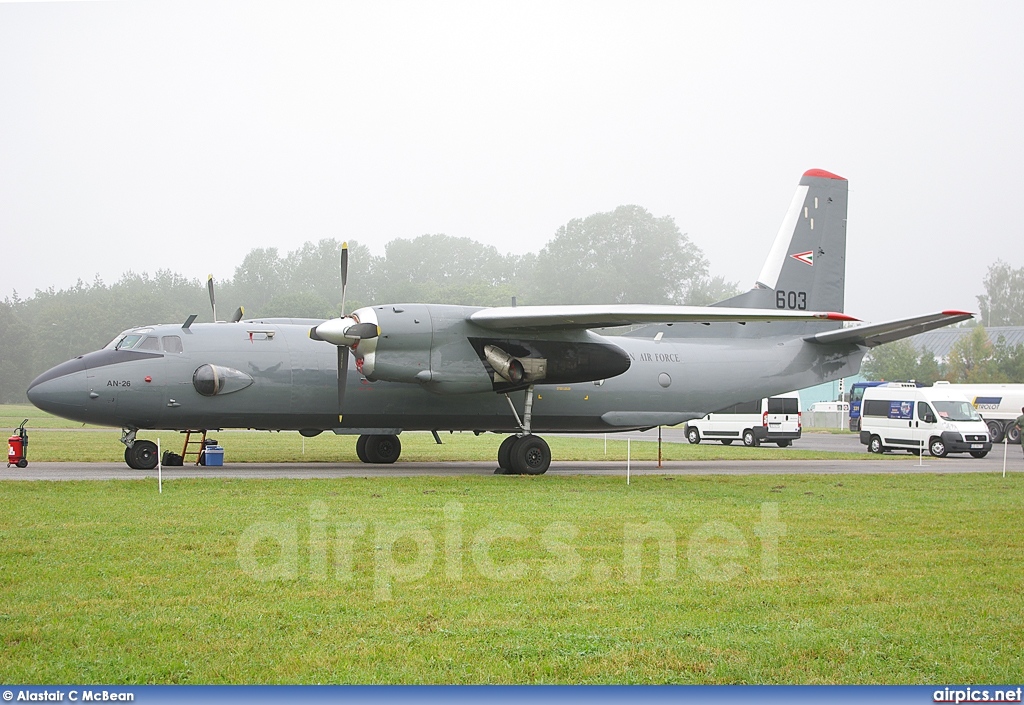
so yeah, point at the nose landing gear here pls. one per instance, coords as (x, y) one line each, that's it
(139, 455)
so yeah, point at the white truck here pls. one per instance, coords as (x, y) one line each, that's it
(998, 404)
(770, 420)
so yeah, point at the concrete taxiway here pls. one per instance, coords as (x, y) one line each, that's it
(897, 464)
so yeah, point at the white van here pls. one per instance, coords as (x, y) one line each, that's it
(911, 418)
(774, 420)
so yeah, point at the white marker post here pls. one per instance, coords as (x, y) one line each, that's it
(1004, 456)
(159, 467)
(627, 461)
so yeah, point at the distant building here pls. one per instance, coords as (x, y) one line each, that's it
(941, 341)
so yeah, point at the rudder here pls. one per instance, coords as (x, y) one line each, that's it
(806, 266)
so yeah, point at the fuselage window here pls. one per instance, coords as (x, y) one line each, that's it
(172, 344)
(150, 343)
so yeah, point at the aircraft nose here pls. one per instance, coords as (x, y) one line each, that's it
(61, 390)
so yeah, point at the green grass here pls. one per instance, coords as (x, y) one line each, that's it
(11, 416)
(289, 447)
(66, 441)
(879, 579)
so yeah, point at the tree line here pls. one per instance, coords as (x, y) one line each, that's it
(623, 256)
(974, 358)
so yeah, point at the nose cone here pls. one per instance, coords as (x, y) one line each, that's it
(62, 390)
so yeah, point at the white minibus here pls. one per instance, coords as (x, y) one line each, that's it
(914, 418)
(773, 420)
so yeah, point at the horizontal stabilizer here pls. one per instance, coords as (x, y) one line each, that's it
(875, 334)
(605, 316)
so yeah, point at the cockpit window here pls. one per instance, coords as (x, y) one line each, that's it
(172, 344)
(128, 342)
(149, 343)
(134, 339)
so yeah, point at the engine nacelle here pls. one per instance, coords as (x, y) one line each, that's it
(401, 352)
(439, 348)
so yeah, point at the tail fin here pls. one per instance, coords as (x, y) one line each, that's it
(806, 267)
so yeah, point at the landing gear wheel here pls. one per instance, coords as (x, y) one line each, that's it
(383, 449)
(693, 435)
(937, 448)
(361, 448)
(750, 440)
(505, 455)
(974, 454)
(530, 456)
(142, 455)
(995, 431)
(875, 445)
(128, 458)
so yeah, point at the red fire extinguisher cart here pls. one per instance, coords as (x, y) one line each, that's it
(17, 447)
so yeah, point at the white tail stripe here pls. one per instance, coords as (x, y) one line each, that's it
(769, 276)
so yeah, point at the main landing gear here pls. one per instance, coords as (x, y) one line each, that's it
(521, 454)
(380, 450)
(525, 453)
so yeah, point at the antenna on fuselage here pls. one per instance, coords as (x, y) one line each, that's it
(213, 299)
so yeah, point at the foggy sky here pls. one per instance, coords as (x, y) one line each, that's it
(150, 135)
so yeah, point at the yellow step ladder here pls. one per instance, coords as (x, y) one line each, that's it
(198, 452)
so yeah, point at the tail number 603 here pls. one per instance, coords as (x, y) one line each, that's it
(791, 299)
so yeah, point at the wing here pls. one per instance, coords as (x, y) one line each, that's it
(875, 334)
(603, 316)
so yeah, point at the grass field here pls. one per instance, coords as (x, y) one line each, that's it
(757, 579)
(64, 440)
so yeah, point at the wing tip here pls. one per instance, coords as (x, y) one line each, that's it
(836, 316)
(822, 174)
(954, 312)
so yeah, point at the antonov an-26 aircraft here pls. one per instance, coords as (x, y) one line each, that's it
(511, 370)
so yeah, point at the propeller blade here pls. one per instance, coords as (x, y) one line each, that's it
(237, 315)
(213, 301)
(342, 376)
(344, 274)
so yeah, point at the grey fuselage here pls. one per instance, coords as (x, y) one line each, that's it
(294, 383)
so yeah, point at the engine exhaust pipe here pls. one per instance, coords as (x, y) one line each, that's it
(505, 366)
